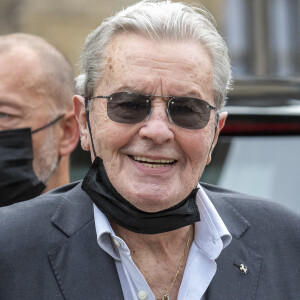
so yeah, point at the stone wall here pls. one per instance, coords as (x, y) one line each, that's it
(66, 23)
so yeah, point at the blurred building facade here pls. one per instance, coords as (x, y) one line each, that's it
(263, 35)
(64, 23)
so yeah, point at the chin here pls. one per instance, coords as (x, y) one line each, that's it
(152, 203)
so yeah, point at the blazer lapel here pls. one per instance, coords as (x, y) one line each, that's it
(82, 269)
(238, 266)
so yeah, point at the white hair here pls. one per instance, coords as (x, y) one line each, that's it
(157, 20)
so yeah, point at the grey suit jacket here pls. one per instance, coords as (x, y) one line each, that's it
(48, 250)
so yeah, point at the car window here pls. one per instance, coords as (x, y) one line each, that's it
(267, 167)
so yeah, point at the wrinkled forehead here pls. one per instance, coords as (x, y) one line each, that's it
(131, 57)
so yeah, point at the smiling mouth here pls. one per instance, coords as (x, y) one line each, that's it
(153, 163)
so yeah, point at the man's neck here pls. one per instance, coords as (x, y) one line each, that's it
(157, 243)
(159, 257)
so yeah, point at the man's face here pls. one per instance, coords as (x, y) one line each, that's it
(25, 103)
(137, 64)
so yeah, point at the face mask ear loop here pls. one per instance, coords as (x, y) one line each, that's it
(216, 126)
(48, 125)
(87, 112)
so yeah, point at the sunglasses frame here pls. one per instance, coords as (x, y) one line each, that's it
(148, 97)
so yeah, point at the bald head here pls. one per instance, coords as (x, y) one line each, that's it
(52, 71)
(36, 89)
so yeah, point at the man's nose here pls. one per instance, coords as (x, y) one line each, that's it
(157, 126)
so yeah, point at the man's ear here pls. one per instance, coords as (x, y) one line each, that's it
(70, 134)
(79, 110)
(219, 126)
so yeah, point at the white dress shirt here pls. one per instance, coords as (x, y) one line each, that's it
(211, 237)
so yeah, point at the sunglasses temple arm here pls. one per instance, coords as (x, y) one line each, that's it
(87, 112)
(216, 127)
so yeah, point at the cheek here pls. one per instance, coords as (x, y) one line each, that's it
(109, 137)
(196, 146)
(48, 137)
(36, 144)
(101, 133)
(37, 140)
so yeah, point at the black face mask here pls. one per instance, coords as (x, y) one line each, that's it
(18, 181)
(116, 208)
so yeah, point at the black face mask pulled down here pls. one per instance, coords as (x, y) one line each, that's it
(18, 182)
(117, 209)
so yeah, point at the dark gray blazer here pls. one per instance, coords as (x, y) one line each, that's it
(48, 250)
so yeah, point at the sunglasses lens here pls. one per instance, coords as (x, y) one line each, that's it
(131, 108)
(128, 108)
(190, 113)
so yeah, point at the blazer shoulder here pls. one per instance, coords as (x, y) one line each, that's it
(25, 222)
(247, 202)
(264, 215)
(30, 208)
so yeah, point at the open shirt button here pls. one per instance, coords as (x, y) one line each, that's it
(142, 295)
(117, 243)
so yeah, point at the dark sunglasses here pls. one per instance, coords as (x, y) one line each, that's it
(131, 108)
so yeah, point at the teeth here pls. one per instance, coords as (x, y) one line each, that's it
(154, 166)
(153, 163)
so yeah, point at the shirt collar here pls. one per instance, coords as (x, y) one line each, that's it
(105, 234)
(211, 234)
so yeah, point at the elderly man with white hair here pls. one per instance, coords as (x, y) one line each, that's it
(153, 80)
